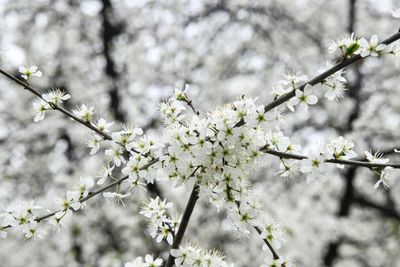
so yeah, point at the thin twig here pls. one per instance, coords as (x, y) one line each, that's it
(359, 163)
(62, 110)
(194, 196)
(320, 78)
(273, 251)
(93, 193)
(66, 112)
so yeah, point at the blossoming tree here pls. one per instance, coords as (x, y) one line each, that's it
(215, 153)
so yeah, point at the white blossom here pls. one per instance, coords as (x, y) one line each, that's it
(116, 154)
(396, 13)
(31, 230)
(84, 113)
(56, 96)
(181, 95)
(376, 158)
(385, 178)
(116, 198)
(314, 167)
(347, 46)
(372, 48)
(302, 98)
(339, 148)
(40, 106)
(94, 143)
(103, 125)
(28, 71)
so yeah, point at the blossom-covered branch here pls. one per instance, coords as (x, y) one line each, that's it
(358, 163)
(224, 153)
(89, 195)
(55, 106)
(84, 114)
(323, 76)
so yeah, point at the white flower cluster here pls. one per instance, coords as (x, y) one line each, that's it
(28, 71)
(23, 218)
(336, 84)
(53, 98)
(74, 197)
(273, 232)
(193, 256)
(396, 13)
(281, 262)
(161, 225)
(217, 152)
(148, 261)
(84, 113)
(291, 81)
(338, 148)
(352, 45)
(385, 174)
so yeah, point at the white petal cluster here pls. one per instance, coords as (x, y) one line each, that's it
(273, 232)
(314, 167)
(372, 48)
(335, 84)
(385, 174)
(376, 158)
(21, 216)
(84, 113)
(102, 125)
(116, 197)
(148, 261)
(339, 148)
(353, 45)
(396, 13)
(53, 97)
(217, 151)
(73, 197)
(386, 177)
(28, 71)
(302, 98)
(171, 110)
(181, 95)
(161, 225)
(40, 106)
(219, 156)
(347, 46)
(290, 82)
(189, 256)
(281, 262)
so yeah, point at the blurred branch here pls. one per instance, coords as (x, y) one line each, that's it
(383, 209)
(109, 32)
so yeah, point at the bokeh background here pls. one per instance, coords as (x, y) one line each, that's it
(124, 56)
